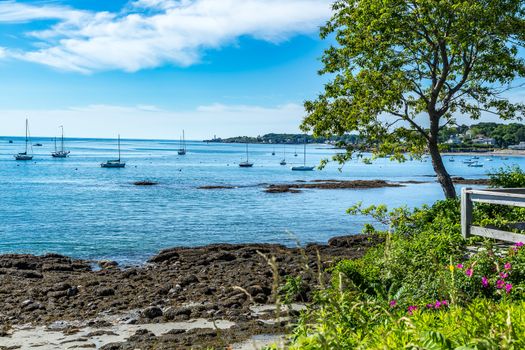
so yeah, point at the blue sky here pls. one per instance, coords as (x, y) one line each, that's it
(149, 68)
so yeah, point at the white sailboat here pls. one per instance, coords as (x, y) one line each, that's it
(182, 149)
(115, 163)
(25, 155)
(62, 153)
(303, 167)
(283, 161)
(246, 163)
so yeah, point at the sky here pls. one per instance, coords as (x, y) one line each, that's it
(150, 68)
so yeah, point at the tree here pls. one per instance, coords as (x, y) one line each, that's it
(401, 70)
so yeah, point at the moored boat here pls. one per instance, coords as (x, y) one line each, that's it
(115, 163)
(25, 155)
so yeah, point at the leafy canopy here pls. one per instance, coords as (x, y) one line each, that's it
(402, 69)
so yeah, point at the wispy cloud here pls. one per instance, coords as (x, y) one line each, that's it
(152, 33)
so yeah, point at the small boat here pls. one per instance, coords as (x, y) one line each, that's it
(475, 157)
(295, 153)
(505, 158)
(283, 161)
(10, 141)
(38, 145)
(246, 163)
(25, 155)
(116, 163)
(62, 153)
(303, 167)
(182, 149)
(273, 152)
(475, 165)
(451, 160)
(468, 161)
(489, 159)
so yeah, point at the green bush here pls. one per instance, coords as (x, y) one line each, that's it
(418, 289)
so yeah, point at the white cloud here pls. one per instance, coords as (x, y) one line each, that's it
(151, 33)
(144, 121)
(3, 52)
(13, 12)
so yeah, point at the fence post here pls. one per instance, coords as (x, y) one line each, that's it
(466, 212)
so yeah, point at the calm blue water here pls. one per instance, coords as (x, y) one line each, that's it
(74, 207)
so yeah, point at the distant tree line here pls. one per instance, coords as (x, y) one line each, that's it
(274, 138)
(504, 135)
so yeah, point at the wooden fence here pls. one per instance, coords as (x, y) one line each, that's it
(504, 196)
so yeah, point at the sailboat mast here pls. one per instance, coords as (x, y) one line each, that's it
(183, 140)
(246, 152)
(304, 157)
(62, 144)
(119, 147)
(26, 134)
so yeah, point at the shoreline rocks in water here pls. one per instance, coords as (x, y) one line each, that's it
(462, 181)
(215, 282)
(145, 183)
(330, 185)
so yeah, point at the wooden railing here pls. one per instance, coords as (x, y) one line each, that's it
(504, 196)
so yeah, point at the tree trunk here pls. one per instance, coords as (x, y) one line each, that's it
(443, 176)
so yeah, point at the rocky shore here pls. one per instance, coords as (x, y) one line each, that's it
(199, 297)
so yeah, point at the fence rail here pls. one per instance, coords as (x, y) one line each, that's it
(505, 196)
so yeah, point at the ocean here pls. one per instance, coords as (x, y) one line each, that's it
(74, 207)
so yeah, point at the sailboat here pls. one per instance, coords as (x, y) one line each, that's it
(246, 164)
(303, 167)
(116, 163)
(283, 161)
(62, 153)
(25, 155)
(273, 152)
(182, 149)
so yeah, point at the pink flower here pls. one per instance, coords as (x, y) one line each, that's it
(484, 282)
(508, 288)
(411, 309)
(444, 302)
(519, 244)
(392, 303)
(468, 272)
(437, 305)
(430, 306)
(459, 266)
(508, 266)
(503, 275)
(500, 284)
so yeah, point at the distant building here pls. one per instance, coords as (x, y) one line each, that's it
(489, 141)
(520, 146)
(453, 140)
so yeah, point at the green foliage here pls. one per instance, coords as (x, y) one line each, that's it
(418, 289)
(395, 60)
(350, 323)
(510, 177)
(292, 290)
(289, 139)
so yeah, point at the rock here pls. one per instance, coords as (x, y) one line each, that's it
(71, 292)
(152, 312)
(164, 255)
(57, 294)
(107, 264)
(189, 280)
(105, 292)
(61, 287)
